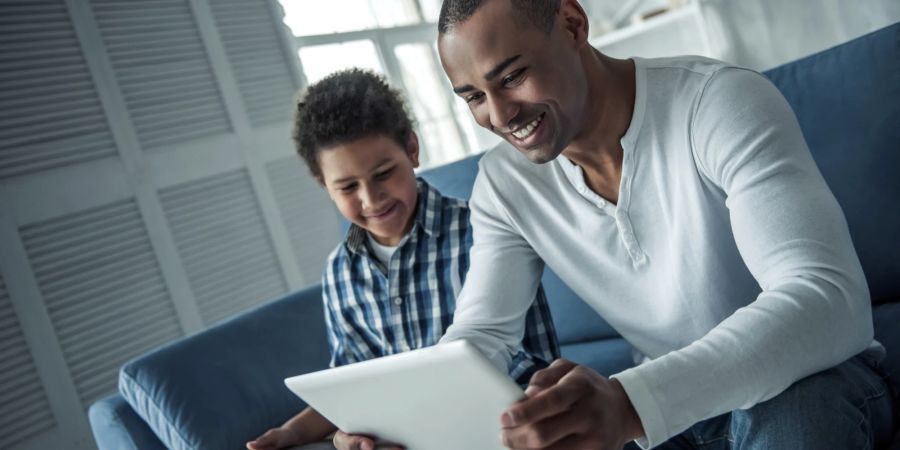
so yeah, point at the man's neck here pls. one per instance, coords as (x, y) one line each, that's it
(597, 149)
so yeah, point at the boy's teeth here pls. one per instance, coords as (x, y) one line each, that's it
(525, 131)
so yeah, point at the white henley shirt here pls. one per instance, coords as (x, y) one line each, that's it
(727, 260)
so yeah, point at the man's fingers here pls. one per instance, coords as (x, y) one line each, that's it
(549, 402)
(543, 434)
(545, 378)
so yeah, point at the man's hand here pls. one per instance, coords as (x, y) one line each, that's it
(275, 438)
(344, 441)
(569, 406)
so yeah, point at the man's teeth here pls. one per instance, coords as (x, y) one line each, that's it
(525, 131)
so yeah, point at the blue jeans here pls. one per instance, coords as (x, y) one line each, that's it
(846, 407)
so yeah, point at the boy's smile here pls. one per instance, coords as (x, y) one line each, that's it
(372, 183)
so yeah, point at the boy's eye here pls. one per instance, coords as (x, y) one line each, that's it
(383, 174)
(347, 187)
(514, 77)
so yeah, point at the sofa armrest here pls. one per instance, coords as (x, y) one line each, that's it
(223, 386)
(117, 427)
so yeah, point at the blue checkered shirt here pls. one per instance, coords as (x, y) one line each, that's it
(374, 311)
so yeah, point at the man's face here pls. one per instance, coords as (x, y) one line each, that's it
(526, 86)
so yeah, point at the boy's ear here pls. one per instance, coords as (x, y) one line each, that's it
(412, 149)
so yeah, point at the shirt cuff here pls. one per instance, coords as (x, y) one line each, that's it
(652, 419)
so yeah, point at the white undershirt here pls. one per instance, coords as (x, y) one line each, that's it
(727, 260)
(381, 252)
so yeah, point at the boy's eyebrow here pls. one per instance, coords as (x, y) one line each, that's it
(491, 74)
(351, 178)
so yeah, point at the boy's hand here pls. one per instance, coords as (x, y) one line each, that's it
(571, 406)
(274, 439)
(344, 441)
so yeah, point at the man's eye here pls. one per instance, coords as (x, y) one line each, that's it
(514, 77)
(474, 97)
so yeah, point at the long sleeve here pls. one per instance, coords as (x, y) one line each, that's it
(813, 312)
(502, 281)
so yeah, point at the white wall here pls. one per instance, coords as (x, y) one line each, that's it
(762, 34)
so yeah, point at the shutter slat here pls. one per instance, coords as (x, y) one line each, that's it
(24, 409)
(71, 264)
(156, 48)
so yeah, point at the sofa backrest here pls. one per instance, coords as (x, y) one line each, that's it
(847, 100)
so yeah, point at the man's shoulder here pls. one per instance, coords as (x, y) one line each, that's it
(698, 65)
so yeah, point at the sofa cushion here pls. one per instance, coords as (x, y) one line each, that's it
(847, 100)
(222, 387)
(117, 427)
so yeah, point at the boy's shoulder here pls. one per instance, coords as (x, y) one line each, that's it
(450, 212)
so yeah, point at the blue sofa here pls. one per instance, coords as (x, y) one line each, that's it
(220, 388)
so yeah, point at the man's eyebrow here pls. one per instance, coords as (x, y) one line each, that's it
(490, 75)
(500, 67)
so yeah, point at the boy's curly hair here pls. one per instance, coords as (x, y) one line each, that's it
(346, 106)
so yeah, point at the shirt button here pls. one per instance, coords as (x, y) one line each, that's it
(398, 301)
(601, 203)
(582, 189)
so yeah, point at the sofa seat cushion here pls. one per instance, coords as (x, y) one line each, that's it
(224, 386)
(117, 427)
(606, 356)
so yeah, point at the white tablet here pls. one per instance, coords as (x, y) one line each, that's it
(447, 396)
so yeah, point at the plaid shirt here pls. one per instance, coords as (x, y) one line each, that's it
(374, 311)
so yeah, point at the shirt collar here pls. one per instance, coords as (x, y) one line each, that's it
(429, 213)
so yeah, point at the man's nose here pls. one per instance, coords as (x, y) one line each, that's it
(502, 111)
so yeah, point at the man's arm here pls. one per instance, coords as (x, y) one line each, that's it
(502, 280)
(813, 312)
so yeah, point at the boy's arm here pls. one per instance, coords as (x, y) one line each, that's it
(309, 426)
(502, 280)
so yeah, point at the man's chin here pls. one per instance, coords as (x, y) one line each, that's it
(539, 155)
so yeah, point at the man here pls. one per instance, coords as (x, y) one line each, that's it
(678, 198)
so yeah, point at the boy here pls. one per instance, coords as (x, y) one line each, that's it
(391, 285)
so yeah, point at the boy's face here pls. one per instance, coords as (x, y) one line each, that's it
(372, 182)
(526, 86)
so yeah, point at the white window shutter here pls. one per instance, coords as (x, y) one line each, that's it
(51, 114)
(313, 235)
(103, 290)
(162, 68)
(258, 60)
(223, 243)
(24, 411)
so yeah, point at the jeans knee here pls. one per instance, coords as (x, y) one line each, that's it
(830, 409)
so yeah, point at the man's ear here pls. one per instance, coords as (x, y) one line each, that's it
(412, 148)
(574, 21)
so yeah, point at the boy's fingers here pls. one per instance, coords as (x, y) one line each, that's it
(344, 441)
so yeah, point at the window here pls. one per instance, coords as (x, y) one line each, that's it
(395, 38)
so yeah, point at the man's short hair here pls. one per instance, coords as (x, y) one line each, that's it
(537, 13)
(346, 106)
